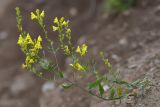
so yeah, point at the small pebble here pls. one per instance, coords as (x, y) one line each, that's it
(106, 87)
(3, 35)
(81, 40)
(48, 86)
(73, 11)
(116, 57)
(123, 41)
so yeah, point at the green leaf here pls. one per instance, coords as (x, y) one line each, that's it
(119, 81)
(66, 85)
(137, 82)
(112, 93)
(61, 74)
(101, 89)
(47, 65)
(93, 85)
(119, 91)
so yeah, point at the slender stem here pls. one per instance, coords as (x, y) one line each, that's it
(45, 32)
(55, 56)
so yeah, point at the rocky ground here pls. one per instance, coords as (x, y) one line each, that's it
(131, 40)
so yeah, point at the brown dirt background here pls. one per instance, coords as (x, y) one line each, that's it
(131, 40)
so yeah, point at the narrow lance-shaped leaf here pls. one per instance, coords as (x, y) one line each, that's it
(112, 93)
(119, 91)
(119, 81)
(101, 89)
(61, 74)
(66, 85)
(95, 84)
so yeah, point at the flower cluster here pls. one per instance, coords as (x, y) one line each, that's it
(38, 15)
(82, 50)
(30, 48)
(65, 34)
(77, 66)
(61, 26)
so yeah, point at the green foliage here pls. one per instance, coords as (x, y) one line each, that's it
(112, 93)
(67, 85)
(36, 61)
(19, 19)
(82, 50)
(118, 5)
(95, 84)
(101, 89)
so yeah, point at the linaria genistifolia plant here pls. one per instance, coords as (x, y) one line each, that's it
(107, 86)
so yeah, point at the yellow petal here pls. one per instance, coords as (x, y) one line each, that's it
(54, 28)
(84, 49)
(78, 50)
(39, 38)
(33, 16)
(42, 14)
(56, 20)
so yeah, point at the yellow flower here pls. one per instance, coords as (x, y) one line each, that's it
(78, 50)
(30, 48)
(77, 66)
(54, 28)
(107, 63)
(39, 39)
(38, 43)
(29, 39)
(42, 14)
(61, 20)
(56, 20)
(37, 15)
(68, 31)
(65, 23)
(20, 40)
(23, 66)
(66, 50)
(33, 16)
(31, 61)
(82, 50)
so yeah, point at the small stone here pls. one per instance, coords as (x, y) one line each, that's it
(3, 35)
(21, 83)
(81, 40)
(127, 13)
(48, 86)
(106, 87)
(132, 66)
(157, 9)
(123, 41)
(102, 104)
(95, 51)
(116, 57)
(52, 99)
(92, 42)
(105, 16)
(134, 45)
(73, 11)
(68, 61)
